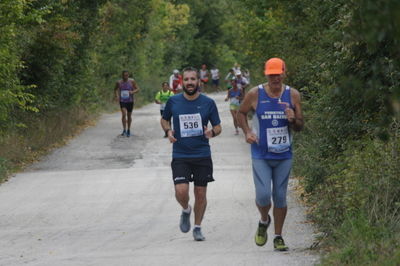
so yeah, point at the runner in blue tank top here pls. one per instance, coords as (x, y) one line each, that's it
(191, 155)
(235, 96)
(277, 112)
(124, 92)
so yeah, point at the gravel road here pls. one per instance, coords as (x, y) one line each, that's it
(108, 200)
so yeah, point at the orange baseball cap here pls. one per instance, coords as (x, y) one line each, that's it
(274, 66)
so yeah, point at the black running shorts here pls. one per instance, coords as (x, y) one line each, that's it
(197, 170)
(127, 106)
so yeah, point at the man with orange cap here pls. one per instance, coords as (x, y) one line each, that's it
(277, 113)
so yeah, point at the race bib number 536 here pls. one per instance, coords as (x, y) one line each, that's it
(190, 125)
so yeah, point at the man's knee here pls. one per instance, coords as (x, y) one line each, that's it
(263, 200)
(263, 197)
(280, 200)
(200, 193)
(181, 191)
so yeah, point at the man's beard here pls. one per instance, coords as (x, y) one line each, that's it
(190, 93)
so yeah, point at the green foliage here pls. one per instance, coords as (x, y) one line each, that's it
(359, 242)
(13, 16)
(3, 168)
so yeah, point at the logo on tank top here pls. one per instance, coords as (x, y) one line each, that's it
(274, 122)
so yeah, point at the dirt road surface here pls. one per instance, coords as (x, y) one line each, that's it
(109, 200)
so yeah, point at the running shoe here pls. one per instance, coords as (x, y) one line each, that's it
(262, 234)
(197, 235)
(279, 244)
(184, 224)
(128, 133)
(123, 133)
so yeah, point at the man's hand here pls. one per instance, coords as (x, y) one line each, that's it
(290, 115)
(289, 112)
(171, 137)
(251, 138)
(208, 132)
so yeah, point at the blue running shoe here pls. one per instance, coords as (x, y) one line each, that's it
(128, 133)
(197, 235)
(123, 133)
(184, 224)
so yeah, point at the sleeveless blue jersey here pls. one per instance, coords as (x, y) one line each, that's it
(233, 93)
(271, 126)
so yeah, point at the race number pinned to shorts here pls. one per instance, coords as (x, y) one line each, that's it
(278, 139)
(191, 125)
(162, 106)
(125, 94)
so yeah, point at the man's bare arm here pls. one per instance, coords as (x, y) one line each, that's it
(116, 91)
(167, 128)
(135, 86)
(246, 106)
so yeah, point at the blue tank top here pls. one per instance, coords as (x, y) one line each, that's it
(124, 89)
(271, 126)
(232, 97)
(233, 93)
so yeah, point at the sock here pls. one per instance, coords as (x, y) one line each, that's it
(197, 226)
(264, 222)
(277, 236)
(188, 210)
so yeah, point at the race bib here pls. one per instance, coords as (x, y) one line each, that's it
(234, 101)
(278, 139)
(190, 125)
(162, 106)
(124, 94)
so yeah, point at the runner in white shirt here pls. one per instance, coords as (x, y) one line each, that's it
(175, 82)
(215, 77)
(241, 81)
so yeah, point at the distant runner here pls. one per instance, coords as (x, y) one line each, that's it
(204, 76)
(241, 81)
(191, 112)
(234, 95)
(229, 77)
(124, 92)
(215, 77)
(162, 97)
(175, 82)
(277, 112)
(246, 74)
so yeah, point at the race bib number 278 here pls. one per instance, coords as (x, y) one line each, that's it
(190, 125)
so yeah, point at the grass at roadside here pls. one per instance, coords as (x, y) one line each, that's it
(358, 241)
(21, 147)
(357, 204)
